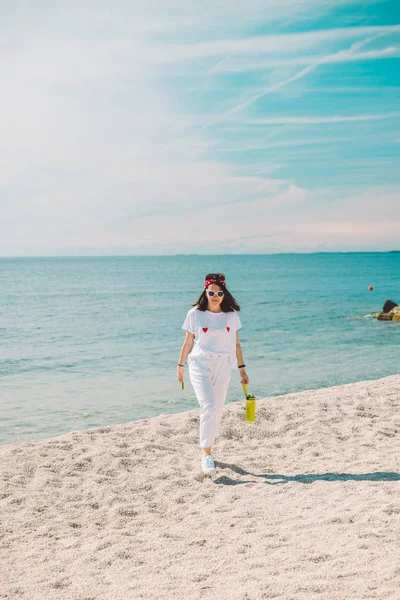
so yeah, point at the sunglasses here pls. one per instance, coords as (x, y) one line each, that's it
(211, 294)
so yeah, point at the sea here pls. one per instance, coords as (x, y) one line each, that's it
(88, 342)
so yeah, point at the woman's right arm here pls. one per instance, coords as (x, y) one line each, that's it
(185, 351)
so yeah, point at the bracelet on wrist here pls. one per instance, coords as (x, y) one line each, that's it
(180, 365)
(241, 366)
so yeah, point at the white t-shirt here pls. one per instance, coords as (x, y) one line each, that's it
(214, 333)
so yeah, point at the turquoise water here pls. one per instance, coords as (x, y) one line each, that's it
(93, 341)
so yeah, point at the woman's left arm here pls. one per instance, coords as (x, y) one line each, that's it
(243, 375)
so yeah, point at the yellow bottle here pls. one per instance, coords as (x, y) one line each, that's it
(250, 405)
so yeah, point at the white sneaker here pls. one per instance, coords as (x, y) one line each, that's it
(207, 465)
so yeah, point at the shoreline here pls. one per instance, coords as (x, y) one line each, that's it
(193, 409)
(303, 504)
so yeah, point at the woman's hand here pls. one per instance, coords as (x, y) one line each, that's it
(180, 373)
(244, 378)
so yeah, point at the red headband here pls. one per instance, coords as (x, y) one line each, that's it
(218, 280)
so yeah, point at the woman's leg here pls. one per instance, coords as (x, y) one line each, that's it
(201, 380)
(222, 374)
(210, 380)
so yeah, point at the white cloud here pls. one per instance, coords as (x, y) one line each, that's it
(101, 147)
(289, 43)
(229, 66)
(318, 120)
(329, 58)
(257, 145)
(269, 224)
(273, 224)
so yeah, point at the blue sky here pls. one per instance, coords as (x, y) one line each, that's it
(213, 127)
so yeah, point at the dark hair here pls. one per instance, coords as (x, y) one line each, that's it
(228, 303)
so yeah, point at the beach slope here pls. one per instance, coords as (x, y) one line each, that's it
(305, 504)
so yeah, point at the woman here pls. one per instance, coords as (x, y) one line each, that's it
(213, 349)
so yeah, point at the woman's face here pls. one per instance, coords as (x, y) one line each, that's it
(214, 300)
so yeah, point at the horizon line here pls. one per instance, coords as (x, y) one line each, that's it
(197, 254)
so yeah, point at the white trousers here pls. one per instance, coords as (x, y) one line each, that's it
(210, 376)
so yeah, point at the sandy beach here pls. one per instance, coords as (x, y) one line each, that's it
(305, 504)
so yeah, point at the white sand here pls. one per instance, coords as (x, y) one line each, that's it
(305, 504)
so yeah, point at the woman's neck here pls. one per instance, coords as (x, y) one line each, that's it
(214, 311)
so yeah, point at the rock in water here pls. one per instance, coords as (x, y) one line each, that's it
(384, 316)
(396, 313)
(387, 307)
(393, 315)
